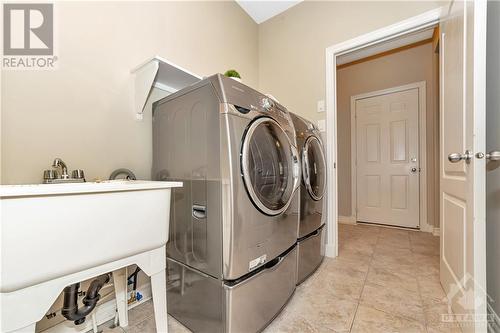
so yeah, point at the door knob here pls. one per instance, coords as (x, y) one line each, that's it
(492, 155)
(413, 170)
(457, 157)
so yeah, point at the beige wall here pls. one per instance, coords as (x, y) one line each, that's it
(292, 45)
(292, 54)
(409, 66)
(82, 111)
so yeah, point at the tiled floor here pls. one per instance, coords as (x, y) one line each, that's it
(384, 280)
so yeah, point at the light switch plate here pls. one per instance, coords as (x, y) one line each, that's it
(321, 106)
(322, 125)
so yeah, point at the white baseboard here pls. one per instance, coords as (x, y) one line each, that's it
(494, 325)
(436, 232)
(425, 226)
(347, 219)
(330, 250)
(104, 312)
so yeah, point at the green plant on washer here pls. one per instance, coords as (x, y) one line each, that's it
(232, 73)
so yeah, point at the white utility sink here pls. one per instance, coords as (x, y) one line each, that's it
(51, 231)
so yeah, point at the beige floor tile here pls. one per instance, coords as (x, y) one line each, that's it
(370, 320)
(357, 248)
(423, 236)
(431, 291)
(368, 228)
(434, 318)
(334, 285)
(175, 327)
(394, 300)
(148, 326)
(346, 267)
(402, 265)
(295, 324)
(444, 329)
(145, 326)
(427, 249)
(426, 265)
(434, 313)
(397, 241)
(141, 312)
(331, 313)
(384, 277)
(394, 232)
(416, 244)
(110, 328)
(393, 252)
(360, 239)
(354, 258)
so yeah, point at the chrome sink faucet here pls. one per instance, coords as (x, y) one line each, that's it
(64, 169)
(53, 177)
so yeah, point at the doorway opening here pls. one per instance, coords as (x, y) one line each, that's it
(387, 133)
(462, 76)
(357, 52)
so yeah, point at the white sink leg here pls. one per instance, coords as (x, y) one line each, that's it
(159, 290)
(120, 283)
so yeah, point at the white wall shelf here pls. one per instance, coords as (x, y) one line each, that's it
(159, 73)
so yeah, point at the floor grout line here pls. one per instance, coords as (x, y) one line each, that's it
(424, 322)
(421, 301)
(364, 283)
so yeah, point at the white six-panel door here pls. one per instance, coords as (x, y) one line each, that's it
(387, 158)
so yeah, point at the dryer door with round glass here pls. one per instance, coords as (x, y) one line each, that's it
(269, 166)
(314, 168)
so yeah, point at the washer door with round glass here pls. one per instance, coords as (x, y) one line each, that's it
(314, 168)
(269, 166)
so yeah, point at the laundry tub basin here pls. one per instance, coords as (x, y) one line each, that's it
(52, 230)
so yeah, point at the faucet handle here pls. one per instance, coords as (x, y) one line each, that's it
(78, 174)
(50, 175)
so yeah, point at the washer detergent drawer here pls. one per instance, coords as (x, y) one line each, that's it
(311, 251)
(253, 303)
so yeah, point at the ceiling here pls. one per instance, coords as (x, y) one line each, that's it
(261, 11)
(386, 46)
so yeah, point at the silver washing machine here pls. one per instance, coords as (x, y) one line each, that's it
(232, 258)
(311, 239)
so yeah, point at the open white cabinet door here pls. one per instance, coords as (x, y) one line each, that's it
(462, 176)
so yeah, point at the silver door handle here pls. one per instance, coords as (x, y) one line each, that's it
(199, 212)
(413, 170)
(457, 157)
(492, 155)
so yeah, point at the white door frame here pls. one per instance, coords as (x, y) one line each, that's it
(422, 149)
(412, 24)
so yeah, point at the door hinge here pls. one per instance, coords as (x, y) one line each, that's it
(334, 165)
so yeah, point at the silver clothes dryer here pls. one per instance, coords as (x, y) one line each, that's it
(311, 239)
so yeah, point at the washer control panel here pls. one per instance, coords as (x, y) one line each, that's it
(267, 104)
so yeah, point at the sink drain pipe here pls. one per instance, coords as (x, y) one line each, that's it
(70, 308)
